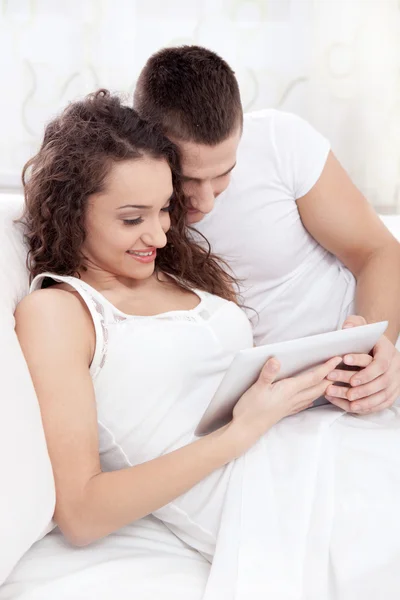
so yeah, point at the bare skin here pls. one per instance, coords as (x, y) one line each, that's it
(338, 216)
(91, 504)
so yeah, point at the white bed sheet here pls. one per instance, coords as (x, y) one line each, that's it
(144, 561)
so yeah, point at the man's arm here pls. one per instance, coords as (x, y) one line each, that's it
(338, 216)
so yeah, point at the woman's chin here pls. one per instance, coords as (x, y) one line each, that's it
(143, 272)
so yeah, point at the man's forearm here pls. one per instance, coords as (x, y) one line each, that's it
(378, 289)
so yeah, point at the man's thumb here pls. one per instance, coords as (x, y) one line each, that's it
(354, 321)
(269, 371)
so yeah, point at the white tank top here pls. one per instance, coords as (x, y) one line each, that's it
(154, 377)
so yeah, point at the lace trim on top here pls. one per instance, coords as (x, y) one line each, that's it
(96, 303)
(192, 314)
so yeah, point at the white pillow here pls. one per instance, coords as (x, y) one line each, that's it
(27, 493)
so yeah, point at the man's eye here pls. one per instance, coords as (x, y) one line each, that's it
(133, 221)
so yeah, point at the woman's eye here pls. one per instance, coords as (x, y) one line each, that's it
(137, 221)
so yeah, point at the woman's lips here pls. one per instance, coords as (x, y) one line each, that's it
(143, 258)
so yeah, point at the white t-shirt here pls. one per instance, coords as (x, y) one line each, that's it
(291, 286)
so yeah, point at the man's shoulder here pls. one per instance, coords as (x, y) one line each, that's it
(259, 117)
(272, 129)
(267, 115)
(267, 123)
(260, 129)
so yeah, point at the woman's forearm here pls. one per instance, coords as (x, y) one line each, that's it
(114, 499)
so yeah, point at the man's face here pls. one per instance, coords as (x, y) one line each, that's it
(206, 172)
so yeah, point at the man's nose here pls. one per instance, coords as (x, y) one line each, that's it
(203, 198)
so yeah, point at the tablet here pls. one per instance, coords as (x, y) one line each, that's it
(294, 356)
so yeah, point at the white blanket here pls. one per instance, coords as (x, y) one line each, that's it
(309, 513)
(312, 512)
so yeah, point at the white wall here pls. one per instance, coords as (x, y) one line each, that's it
(335, 62)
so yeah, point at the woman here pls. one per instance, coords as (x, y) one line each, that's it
(127, 333)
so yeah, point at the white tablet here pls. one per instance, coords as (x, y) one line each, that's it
(294, 356)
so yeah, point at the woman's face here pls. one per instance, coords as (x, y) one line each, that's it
(127, 222)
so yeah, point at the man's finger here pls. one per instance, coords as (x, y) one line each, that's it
(370, 403)
(381, 407)
(357, 360)
(373, 371)
(354, 321)
(367, 390)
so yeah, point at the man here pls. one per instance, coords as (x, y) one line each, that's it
(274, 202)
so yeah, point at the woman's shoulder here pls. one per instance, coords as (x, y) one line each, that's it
(53, 322)
(53, 306)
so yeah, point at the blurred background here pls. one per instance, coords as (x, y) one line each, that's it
(334, 62)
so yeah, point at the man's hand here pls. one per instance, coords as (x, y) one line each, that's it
(376, 386)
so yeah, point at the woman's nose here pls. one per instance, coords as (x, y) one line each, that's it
(156, 237)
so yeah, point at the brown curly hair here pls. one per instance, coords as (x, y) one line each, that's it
(78, 150)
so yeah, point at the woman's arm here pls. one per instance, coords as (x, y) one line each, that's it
(57, 338)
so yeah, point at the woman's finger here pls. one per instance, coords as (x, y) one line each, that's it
(310, 394)
(339, 375)
(269, 371)
(313, 377)
(338, 391)
(301, 408)
(339, 402)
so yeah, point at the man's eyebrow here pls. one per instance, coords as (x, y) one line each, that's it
(199, 179)
(228, 171)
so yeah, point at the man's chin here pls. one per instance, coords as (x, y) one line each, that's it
(194, 217)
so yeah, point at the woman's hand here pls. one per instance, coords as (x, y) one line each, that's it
(266, 402)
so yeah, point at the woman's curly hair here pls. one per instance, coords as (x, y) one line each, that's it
(78, 151)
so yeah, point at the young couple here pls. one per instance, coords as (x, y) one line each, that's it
(132, 322)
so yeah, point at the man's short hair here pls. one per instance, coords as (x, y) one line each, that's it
(192, 93)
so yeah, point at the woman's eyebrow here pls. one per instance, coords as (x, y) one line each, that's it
(139, 206)
(144, 206)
